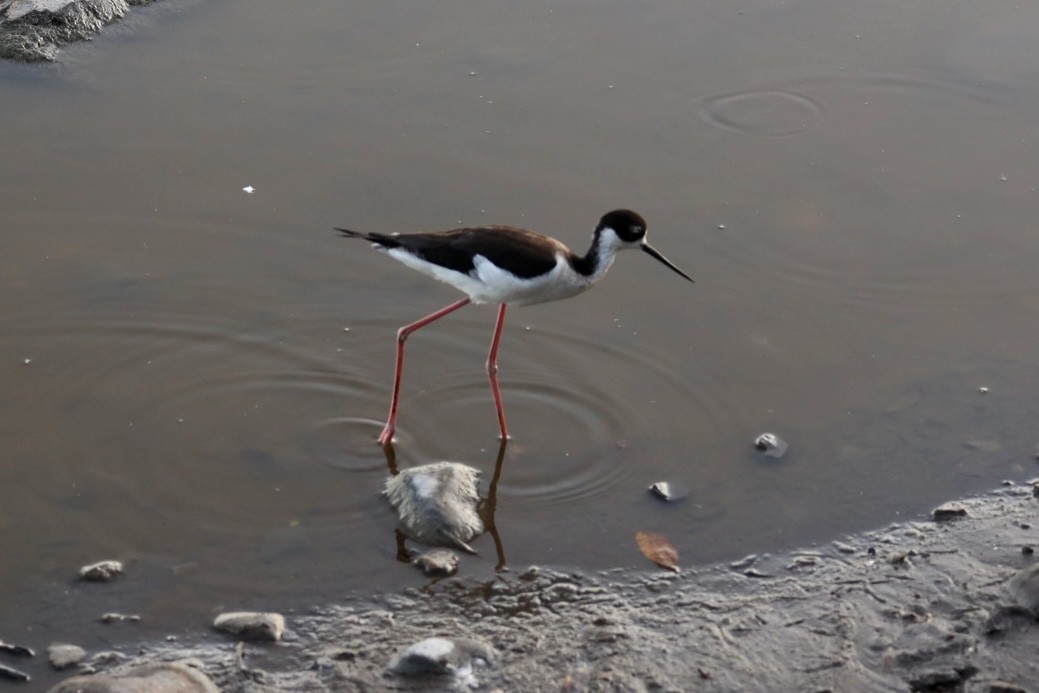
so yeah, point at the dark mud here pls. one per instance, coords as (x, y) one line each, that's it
(921, 606)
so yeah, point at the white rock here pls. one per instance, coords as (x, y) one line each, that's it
(251, 625)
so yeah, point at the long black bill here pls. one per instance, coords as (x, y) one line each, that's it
(655, 253)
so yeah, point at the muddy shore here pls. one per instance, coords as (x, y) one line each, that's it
(920, 606)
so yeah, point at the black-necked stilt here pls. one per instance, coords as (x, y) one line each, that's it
(505, 265)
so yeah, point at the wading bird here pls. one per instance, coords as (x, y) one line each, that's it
(508, 266)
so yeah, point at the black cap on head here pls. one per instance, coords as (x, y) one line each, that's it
(628, 225)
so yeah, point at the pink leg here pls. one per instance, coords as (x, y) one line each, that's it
(492, 371)
(402, 334)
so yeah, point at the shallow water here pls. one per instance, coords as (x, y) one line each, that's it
(853, 187)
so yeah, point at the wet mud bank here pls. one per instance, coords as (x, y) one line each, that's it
(937, 605)
(34, 30)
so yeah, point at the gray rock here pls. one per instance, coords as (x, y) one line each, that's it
(102, 571)
(113, 617)
(437, 562)
(64, 656)
(437, 504)
(443, 656)
(32, 30)
(174, 677)
(251, 625)
(948, 512)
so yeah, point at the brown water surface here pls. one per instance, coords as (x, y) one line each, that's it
(193, 376)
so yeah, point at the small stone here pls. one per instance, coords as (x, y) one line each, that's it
(65, 656)
(844, 548)
(669, 490)
(251, 625)
(771, 444)
(112, 617)
(437, 562)
(948, 512)
(1027, 550)
(102, 571)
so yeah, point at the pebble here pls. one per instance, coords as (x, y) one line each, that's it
(112, 617)
(437, 562)
(948, 512)
(771, 444)
(170, 677)
(65, 656)
(669, 490)
(251, 625)
(102, 571)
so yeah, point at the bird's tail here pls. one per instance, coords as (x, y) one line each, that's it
(379, 239)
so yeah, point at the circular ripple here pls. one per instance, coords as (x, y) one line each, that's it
(576, 435)
(765, 113)
(348, 443)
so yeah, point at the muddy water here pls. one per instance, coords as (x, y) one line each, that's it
(194, 375)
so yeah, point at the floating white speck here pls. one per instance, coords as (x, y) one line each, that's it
(721, 227)
(983, 390)
(249, 189)
(1003, 178)
(27, 361)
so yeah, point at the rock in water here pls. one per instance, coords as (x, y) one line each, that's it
(437, 562)
(64, 656)
(437, 504)
(251, 625)
(102, 571)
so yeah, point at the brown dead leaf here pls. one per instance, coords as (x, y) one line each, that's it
(658, 549)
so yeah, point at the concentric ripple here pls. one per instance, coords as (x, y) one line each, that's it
(762, 113)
